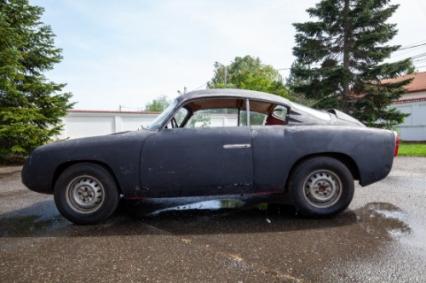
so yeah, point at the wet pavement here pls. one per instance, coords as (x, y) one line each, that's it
(380, 238)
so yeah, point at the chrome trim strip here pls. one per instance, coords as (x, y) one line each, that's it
(232, 146)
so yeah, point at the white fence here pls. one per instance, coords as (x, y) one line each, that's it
(82, 123)
(85, 123)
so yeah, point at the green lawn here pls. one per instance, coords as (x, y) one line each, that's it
(412, 149)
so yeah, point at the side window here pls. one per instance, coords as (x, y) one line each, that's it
(211, 118)
(264, 113)
(228, 112)
(256, 118)
(178, 117)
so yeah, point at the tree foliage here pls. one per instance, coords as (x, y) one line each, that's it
(31, 106)
(157, 105)
(340, 60)
(248, 73)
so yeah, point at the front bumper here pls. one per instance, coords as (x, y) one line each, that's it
(34, 176)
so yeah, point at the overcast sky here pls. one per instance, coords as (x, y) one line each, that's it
(129, 52)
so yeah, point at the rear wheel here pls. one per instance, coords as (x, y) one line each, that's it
(321, 186)
(86, 193)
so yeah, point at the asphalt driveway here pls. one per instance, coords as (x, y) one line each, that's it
(381, 238)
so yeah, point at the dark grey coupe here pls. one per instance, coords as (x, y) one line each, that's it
(214, 143)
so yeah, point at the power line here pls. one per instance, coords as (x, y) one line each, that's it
(415, 57)
(418, 55)
(411, 46)
(416, 42)
(406, 47)
(419, 60)
(414, 46)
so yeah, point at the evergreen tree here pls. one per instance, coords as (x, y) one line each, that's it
(248, 73)
(340, 60)
(30, 105)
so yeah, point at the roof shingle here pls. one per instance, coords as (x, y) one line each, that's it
(417, 84)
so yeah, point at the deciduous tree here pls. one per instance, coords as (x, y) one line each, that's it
(248, 73)
(157, 105)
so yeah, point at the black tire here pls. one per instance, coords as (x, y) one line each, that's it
(315, 177)
(67, 193)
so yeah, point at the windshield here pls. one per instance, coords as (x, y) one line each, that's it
(156, 124)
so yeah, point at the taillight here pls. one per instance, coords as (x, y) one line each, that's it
(397, 142)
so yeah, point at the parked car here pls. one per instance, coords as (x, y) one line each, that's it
(263, 144)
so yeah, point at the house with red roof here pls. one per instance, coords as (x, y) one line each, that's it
(413, 102)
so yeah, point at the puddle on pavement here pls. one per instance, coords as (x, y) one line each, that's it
(203, 205)
(155, 207)
(39, 217)
(383, 220)
(200, 216)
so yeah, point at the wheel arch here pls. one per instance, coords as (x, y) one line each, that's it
(63, 166)
(348, 161)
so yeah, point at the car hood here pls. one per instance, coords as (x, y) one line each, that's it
(95, 142)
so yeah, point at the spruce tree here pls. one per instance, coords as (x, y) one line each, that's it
(340, 60)
(31, 106)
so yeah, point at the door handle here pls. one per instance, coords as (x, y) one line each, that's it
(236, 145)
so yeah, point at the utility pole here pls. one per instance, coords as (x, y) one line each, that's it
(185, 90)
(346, 46)
(226, 75)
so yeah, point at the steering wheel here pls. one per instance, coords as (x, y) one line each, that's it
(174, 123)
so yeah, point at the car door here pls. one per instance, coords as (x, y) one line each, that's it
(197, 161)
(273, 150)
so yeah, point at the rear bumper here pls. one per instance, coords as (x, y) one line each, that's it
(368, 178)
(377, 160)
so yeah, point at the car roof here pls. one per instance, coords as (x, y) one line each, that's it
(238, 93)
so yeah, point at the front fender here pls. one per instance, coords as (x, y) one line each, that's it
(120, 153)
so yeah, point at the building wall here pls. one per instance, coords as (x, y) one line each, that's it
(414, 126)
(92, 123)
(78, 124)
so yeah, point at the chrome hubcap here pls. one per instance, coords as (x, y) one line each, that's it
(322, 188)
(85, 194)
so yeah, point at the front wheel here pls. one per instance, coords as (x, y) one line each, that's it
(86, 193)
(321, 186)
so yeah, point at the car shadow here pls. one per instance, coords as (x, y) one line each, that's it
(43, 220)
